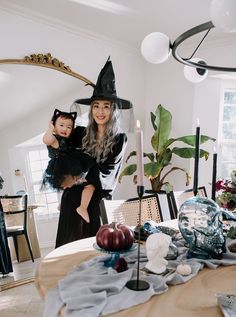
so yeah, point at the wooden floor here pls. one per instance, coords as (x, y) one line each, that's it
(21, 300)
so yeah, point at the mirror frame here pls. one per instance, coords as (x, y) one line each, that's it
(48, 61)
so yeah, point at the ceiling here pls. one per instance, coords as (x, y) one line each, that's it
(126, 21)
(121, 20)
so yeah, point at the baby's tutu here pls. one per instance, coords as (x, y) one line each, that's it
(75, 163)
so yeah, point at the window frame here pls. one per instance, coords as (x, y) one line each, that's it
(226, 86)
(38, 212)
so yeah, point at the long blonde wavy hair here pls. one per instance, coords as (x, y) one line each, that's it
(100, 150)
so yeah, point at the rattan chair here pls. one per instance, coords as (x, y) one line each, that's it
(15, 216)
(127, 211)
(179, 197)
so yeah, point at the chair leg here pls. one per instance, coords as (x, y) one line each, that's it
(15, 241)
(174, 213)
(29, 246)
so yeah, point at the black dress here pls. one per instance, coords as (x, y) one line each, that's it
(104, 177)
(5, 257)
(65, 160)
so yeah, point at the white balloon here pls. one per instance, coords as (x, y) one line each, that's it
(192, 74)
(155, 47)
(223, 15)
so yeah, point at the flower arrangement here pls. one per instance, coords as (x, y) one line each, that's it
(226, 192)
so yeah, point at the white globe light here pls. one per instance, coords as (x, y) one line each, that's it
(195, 75)
(223, 15)
(155, 47)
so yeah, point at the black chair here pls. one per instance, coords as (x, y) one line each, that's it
(127, 211)
(15, 215)
(167, 204)
(179, 197)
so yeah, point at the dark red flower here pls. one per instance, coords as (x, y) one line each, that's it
(121, 265)
(219, 185)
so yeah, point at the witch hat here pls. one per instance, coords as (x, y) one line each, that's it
(105, 88)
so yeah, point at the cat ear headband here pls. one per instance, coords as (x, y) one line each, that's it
(57, 113)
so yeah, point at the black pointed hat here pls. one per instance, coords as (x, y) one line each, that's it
(105, 88)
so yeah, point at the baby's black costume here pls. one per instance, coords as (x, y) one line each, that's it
(65, 160)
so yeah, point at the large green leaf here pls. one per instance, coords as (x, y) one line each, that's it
(151, 156)
(184, 152)
(128, 170)
(133, 153)
(152, 169)
(153, 117)
(174, 168)
(189, 152)
(190, 139)
(165, 158)
(163, 123)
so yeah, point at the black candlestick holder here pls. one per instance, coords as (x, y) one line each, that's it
(138, 285)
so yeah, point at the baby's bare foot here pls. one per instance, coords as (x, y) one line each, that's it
(83, 213)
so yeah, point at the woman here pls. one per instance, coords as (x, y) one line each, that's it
(106, 144)
(5, 257)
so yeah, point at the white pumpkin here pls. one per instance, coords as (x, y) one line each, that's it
(184, 269)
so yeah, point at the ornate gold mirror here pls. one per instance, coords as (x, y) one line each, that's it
(48, 61)
(25, 90)
(35, 81)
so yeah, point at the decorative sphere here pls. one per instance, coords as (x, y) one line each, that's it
(155, 47)
(223, 15)
(195, 75)
(200, 223)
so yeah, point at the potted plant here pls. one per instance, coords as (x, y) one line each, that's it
(157, 168)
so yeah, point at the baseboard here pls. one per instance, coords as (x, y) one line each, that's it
(12, 284)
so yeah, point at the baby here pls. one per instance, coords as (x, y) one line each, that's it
(68, 165)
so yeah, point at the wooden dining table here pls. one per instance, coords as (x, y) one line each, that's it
(195, 298)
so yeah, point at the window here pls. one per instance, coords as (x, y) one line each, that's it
(38, 160)
(228, 133)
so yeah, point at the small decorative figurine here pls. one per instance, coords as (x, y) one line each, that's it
(157, 247)
(184, 269)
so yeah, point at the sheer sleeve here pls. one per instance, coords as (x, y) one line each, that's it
(104, 175)
(109, 170)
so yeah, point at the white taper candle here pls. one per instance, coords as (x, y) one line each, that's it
(139, 152)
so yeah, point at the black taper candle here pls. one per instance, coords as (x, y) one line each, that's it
(196, 161)
(138, 285)
(214, 173)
